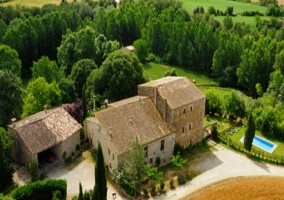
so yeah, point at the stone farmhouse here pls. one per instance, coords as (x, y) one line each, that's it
(53, 130)
(166, 111)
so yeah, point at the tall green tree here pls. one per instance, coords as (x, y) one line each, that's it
(41, 93)
(80, 72)
(135, 168)
(100, 190)
(9, 60)
(141, 49)
(68, 91)
(80, 197)
(118, 76)
(6, 162)
(47, 69)
(11, 97)
(249, 133)
(228, 23)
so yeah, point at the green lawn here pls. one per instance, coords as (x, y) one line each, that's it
(247, 20)
(221, 5)
(155, 71)
(278, 151)
(30, 3)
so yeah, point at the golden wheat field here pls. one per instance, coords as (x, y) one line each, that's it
(243, 188)
(280, 2)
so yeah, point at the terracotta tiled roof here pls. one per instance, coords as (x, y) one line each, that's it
(130, 117)
(46, 129)
(178, 91)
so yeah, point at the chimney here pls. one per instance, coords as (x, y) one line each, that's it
(45, 108)
(13, 121)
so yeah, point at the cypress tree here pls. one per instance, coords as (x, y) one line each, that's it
(249, 133)
(100, 189)
(80, 197)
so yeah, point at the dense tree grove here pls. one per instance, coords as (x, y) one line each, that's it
(50, 45)
(6, 162)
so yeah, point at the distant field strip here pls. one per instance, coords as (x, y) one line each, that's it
(30, 3)
(239, 7)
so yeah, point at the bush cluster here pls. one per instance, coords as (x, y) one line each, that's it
(43, 190)
(252, 13)
(181, 179)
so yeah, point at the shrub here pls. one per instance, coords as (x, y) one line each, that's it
(179, 149)
(82, 134)
(211, 10)
(64, 155)
(162, 185)
(33, 169)
(145, 191)
(181, 179)
(153, 189)
(68, 160)
(158, 161)
(42, 190)
(172, 184)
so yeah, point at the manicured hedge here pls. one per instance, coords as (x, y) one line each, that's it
(42, 190)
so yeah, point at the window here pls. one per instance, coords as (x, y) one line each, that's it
(189, 126)
(190, 108)
(108, 152)
(112, 156)
(182, 130)
(110, 165)
(151, 161)
(162, 145)
(183, 111)
(146, 151)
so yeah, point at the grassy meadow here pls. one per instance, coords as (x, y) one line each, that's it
(155, 71)
(30, 3)
(221, 5)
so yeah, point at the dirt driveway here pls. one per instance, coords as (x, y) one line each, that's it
(220, 165)
(215, 166)
(84, 173)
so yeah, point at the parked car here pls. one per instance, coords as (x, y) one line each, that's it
(50, 157)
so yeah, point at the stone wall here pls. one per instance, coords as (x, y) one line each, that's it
(148, 91)
(189, 122)
(96, 133)
(113, 160)
(69, 144)
(21, 151)
(154, 150)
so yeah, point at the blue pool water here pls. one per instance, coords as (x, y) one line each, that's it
(262, 144)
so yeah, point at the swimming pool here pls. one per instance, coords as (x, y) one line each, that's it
(262, 144)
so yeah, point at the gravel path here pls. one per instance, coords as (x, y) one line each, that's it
(84, 173)
(221, 165)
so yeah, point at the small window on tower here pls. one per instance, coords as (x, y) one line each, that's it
(183, 111)
(162, 145)
(182, 130)
(190, 126)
